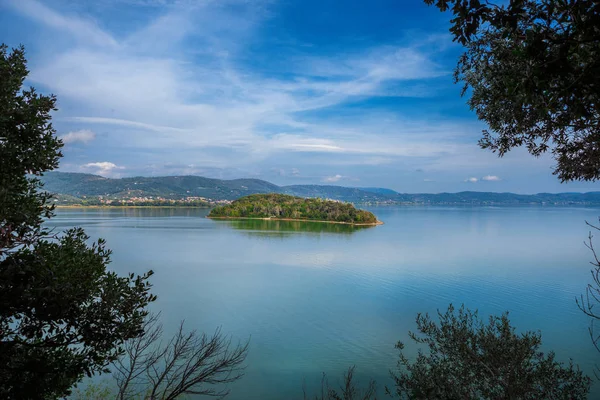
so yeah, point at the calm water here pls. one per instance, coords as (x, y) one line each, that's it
(319, 298)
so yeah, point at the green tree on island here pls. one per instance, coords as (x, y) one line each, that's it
(282, 206)
(63, 314)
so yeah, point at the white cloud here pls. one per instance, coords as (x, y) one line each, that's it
(211, 100)
(161, 98)
(471, 179)
(85, 30)
(355, 138)
(331, 179)
(491, 178)
(103, 168)
(315, 147)
(82, 136)
(122, 122)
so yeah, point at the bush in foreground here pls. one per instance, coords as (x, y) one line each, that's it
(469, 359)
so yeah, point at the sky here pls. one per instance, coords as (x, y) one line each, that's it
(348, 93)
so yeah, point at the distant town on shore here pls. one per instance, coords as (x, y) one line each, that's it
(79, 189)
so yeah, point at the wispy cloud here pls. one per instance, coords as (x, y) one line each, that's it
(490, 178)
(144, 87)
(331, 179)
(84, 29)
(190, 82)
(487, 178)
(124, 123)
(82, 136)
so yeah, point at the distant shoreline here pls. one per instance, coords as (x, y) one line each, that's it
(299, 220)
(109, 206)
(495, 205)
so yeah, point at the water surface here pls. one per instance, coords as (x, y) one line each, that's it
(319, 298)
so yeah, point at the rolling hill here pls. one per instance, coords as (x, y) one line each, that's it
(171, 187)
(75, 186)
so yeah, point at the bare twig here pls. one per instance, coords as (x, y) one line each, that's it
(591, 299)
(347, 391)
(188, 364)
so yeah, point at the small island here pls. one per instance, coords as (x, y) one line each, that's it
(292, 208)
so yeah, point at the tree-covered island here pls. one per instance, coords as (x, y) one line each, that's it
(285, 207)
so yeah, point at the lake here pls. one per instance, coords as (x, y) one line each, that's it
(317, 298)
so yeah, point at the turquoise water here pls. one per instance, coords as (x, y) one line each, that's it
(321, 298)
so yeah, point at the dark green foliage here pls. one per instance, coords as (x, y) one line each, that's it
(284, 206)
(467, 359)
(27, 145)
(62, 314)
(532, 68)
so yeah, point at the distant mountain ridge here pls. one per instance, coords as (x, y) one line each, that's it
(78, 186)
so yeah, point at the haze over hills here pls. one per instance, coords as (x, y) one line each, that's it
(74, 187)
(171, 187)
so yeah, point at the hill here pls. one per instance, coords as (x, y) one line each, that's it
(377, 190)
(74, 188)
(282, 206)
(354, 195)
(168, 187)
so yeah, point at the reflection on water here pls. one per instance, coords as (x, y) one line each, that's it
(275, 228)
(317, 297)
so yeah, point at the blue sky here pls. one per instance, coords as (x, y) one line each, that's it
(349, 93)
